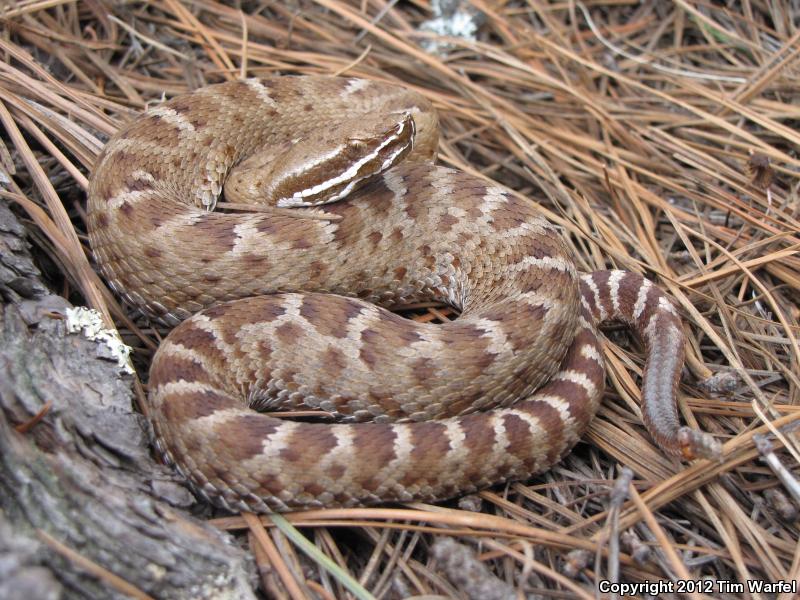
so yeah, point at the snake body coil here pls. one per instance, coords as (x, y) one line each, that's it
(280, 308)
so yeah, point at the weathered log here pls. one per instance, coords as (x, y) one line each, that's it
(80, 494)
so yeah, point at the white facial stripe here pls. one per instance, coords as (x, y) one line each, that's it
(393, 156)
(310, 164)
(351, 174)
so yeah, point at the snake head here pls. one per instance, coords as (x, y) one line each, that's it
(326, 165)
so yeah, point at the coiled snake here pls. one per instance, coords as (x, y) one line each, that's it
(279, 306)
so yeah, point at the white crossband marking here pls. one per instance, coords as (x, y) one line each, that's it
(273, 445)
(179, 350)
(402, 448)
(577, 378)
(562, 406)
(536, 433)
(666, 306)
(501, 441)
(367, 316)
(188, 387)
(498, 340)
(171, 389)
(132, 196)
(171, 116)
(342, 452)
(127, 197)
(500, 438)
(494, 198)
(354, 85)
(641, 299)
(218, 417)
(546, 262)
(588, 279)
(589, 351)
(613, 287)
(261, 92)
(456, 438)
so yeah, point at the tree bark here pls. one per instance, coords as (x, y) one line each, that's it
(81, 499)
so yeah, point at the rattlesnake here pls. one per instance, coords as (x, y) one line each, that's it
(285, 301)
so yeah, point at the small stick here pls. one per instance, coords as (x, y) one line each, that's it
(764, 446)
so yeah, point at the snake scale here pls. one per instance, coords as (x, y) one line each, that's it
(281, 307)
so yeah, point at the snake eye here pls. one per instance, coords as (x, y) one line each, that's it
(357, 143)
